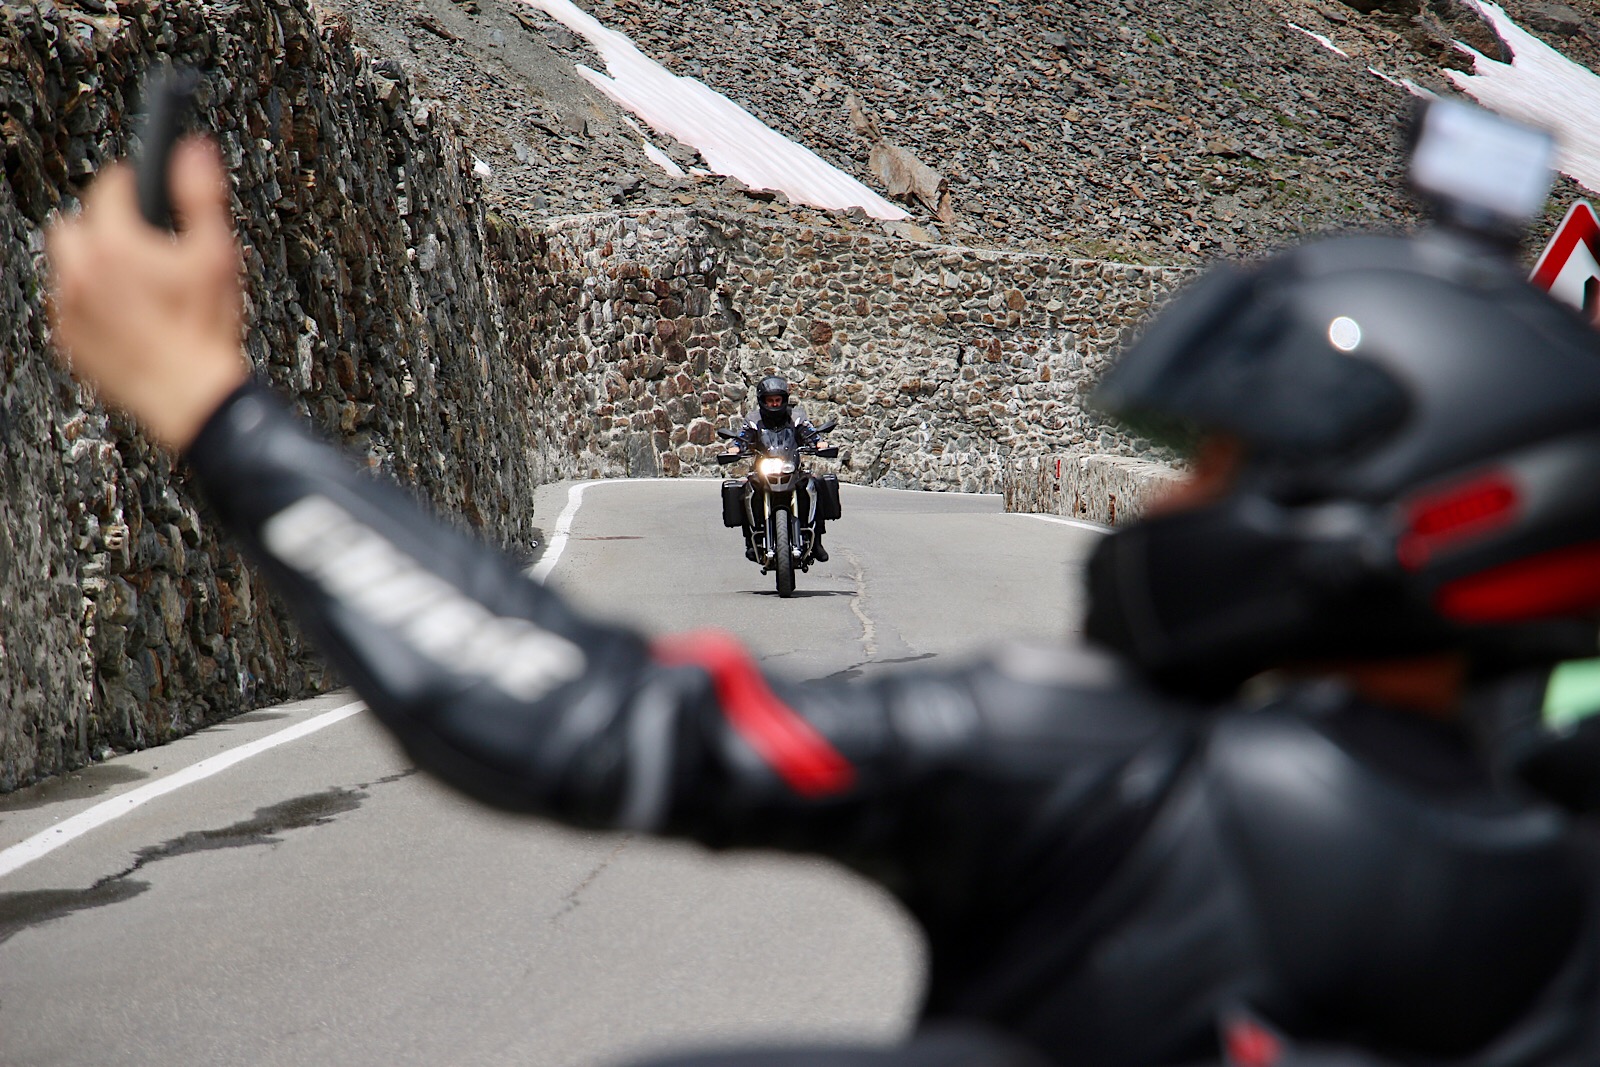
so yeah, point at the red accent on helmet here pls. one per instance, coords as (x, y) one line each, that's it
(1460, 512)
(1565, 581)
(788, 743)
(1249, 1044)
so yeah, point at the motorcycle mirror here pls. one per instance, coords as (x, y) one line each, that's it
(729, 434)
(825, 427)
(169, 97)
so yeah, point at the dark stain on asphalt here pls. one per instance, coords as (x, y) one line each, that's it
(855, 670)
(801, 594)
(257, 716)
(74, 785)
(575, 896)
(19, 911)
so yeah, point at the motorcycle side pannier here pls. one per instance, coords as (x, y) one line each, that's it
(733, 502)
(828, 505)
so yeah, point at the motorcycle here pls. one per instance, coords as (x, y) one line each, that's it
(775, 503)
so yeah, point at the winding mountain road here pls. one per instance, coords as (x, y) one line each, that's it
(250, 896)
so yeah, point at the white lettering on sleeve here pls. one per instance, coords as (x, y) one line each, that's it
(355, 564)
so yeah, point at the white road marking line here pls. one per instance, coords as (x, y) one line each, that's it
(47, 841)
(558, 540)
(563, 531)
(1079, 523)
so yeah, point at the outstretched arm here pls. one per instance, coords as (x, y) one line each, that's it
(488, 678)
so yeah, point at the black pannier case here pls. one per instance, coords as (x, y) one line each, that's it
(828, 505)
(733, 502)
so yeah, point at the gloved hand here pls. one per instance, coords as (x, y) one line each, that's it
(153, 322)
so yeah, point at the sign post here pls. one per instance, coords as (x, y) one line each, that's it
(1569, 267)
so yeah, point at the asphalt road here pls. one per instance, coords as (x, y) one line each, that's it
(320, 902)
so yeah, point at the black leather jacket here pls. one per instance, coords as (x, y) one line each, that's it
(795, 416)
(1104, 872)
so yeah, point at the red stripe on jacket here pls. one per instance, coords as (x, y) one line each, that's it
(792, 747)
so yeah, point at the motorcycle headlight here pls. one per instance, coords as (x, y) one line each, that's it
(772, 465)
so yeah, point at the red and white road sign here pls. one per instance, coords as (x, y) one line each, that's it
(1569, 267)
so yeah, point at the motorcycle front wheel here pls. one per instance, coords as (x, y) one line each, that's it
(780, 549)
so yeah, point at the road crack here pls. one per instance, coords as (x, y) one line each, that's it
(869, 629)
(570, 902)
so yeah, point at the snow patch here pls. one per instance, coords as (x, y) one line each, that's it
(1542, 87)
(1320, 39)
(1404, 83)
(653, 153)
(732, 141)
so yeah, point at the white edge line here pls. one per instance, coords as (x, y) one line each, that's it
(558, 539)
(47, 841)
(563, 531)
(1081, 524)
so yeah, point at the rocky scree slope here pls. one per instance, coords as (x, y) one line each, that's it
(1162, 131)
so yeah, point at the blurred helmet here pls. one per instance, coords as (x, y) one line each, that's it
(772, 397)
(1421, 471)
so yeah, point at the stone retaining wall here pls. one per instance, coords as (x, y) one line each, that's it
(1110, 490)
(125, 621)
(944, 366)
(463, 354)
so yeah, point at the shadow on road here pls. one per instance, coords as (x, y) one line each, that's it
(798, 593)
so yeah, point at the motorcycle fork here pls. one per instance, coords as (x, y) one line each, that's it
(770, 505)
(808, 527)
(752, 493)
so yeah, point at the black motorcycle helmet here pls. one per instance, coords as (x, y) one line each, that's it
(772, 398)
(1421, 472)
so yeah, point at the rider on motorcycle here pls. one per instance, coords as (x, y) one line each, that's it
(774, 411)
(1120, 856)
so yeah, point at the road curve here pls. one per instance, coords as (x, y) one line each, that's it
(321, 902)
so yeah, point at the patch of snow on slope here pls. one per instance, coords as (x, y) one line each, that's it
(1539, 86)
(1321, 39)
(653, 152)
(733, 141)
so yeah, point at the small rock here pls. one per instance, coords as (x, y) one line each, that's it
(433, 26)
(1555, 18)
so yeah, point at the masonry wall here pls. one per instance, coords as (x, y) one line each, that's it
(945, 366)
(124, 621)
(468, 356)
(1110, 490)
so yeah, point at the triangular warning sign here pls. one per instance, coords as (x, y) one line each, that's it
(1569, 267)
